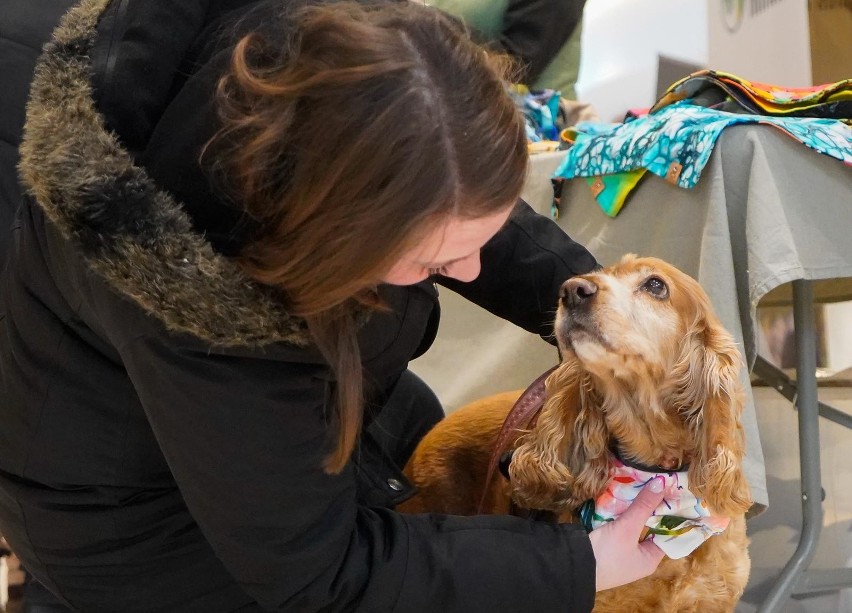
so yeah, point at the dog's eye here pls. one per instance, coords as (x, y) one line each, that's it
(656, 287)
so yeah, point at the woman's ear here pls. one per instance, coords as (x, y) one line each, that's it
(552, 468)
(713, 402)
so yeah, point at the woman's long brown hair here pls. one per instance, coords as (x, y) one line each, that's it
(347, 142)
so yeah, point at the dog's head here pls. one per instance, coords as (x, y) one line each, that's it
(647, 368)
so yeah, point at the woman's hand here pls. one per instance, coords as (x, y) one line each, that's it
(621, 558)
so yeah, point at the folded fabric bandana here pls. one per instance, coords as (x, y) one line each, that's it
(540, 110)
(678, 526)
(728, 92)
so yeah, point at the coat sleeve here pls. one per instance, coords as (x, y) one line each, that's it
(535, 30)
(523, 267)
(244, 438)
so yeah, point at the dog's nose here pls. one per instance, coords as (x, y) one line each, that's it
(577, 291)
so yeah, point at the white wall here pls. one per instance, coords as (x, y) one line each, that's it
(621, 42)
(759, 40)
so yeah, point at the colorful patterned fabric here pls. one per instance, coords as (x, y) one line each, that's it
(676, 142)
(540, 110)
(831, 101)
(675, 139)
(678, 526)
(611, 191)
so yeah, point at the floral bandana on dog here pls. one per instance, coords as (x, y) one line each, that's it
(678, 526)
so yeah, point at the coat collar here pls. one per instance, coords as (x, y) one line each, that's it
(131, 233)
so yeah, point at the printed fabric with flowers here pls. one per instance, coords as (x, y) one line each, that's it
(678, 526)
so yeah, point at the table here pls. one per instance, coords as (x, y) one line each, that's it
(766, 212)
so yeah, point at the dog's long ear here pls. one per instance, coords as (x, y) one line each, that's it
(710, 397)
(562, 460)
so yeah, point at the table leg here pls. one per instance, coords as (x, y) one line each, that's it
(809, 462)
(776, 378)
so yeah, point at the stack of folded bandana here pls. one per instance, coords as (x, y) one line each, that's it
(726, 92)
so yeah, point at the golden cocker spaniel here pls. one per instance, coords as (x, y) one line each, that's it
(649, 379)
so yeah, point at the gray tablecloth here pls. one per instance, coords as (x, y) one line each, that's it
(766, 211)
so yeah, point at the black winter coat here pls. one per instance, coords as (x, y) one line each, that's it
(163, 420)
(24, 27)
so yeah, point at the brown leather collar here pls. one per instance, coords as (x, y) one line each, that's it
(523, 412)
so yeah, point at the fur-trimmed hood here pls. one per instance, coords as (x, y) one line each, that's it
(130, 232)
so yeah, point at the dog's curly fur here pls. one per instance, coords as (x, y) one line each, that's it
(647, 367)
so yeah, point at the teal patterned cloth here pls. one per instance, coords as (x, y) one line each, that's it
(540, 110)
(676, 142)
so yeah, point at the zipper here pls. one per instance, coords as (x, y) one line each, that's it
(105, 63)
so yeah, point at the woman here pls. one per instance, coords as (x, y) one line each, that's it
(210, 311)
(542, 35)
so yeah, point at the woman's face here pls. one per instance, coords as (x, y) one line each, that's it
(450, 250)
